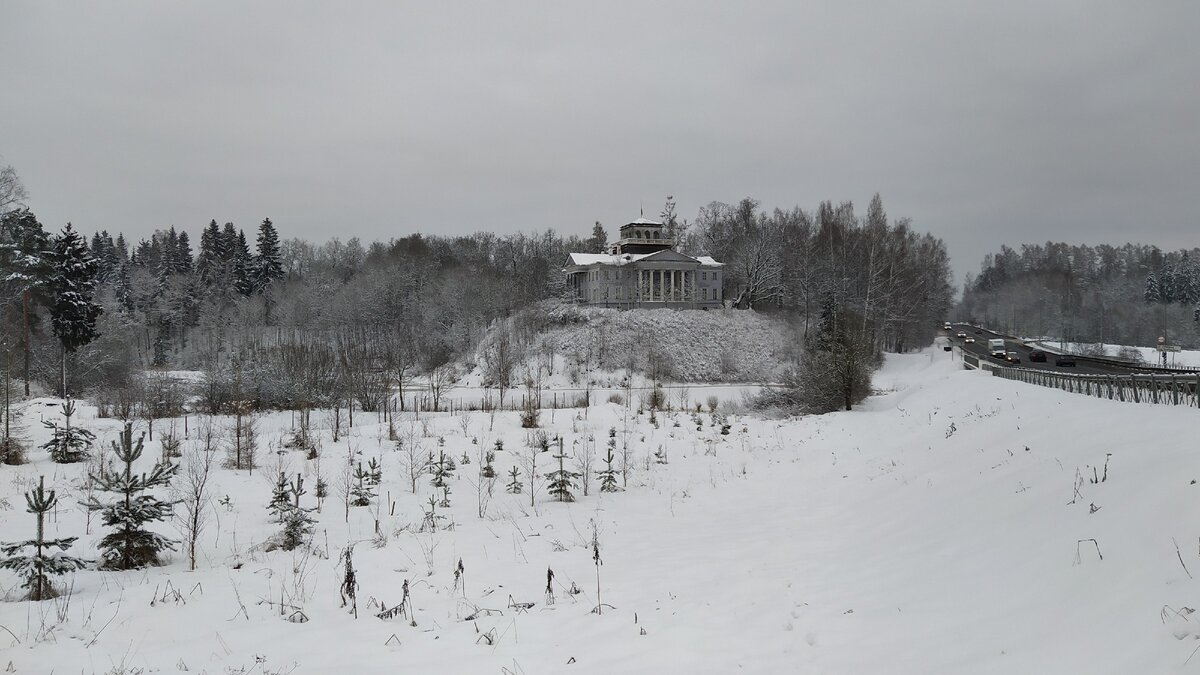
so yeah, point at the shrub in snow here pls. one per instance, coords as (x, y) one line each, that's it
(130, 545)
(68, 444)
(37, 566)
(488, 471)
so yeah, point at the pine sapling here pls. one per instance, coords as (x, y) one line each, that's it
(561, 481)
(297, 523)
(279, 503)
(37, 567)
(130, 545)
(488, 471)
(608, 475)
(374, 472)
(515, 486)
(361, 494)
(68, 444)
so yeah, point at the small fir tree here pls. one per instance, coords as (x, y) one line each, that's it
(562, 480)
(279, 499)
(297, 521)
(361, 493)
(37, 567)
(488, 471)
(374, 472)
(443, 472)
(68, 444)
(608, 475)
(130, 545)
(515, 486)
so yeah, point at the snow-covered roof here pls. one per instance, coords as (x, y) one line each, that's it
(643, 221)
(584, 259)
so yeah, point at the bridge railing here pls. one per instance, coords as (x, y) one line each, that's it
(1152, 388)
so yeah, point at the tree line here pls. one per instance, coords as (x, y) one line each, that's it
(289, 321)
(1130, 294)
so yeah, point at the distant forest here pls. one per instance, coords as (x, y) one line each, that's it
(344, 319)
(1129, 294)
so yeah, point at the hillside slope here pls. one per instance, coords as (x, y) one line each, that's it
(681, 345)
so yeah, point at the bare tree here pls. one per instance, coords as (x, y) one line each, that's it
(585, 459)
(191, 490)
(12, 190)
(413, 459)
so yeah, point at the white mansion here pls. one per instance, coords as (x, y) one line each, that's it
(643, 270)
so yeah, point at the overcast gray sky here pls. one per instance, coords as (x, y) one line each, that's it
(986, 123)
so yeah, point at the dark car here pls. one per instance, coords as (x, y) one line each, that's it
(1012, 357)
(978, 331)
(1038, 356)
(1065, 360)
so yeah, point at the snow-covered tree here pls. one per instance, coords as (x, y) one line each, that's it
(130, 545)
(73, 311)
(267, 264)
(39, 565)
(68, 444)
(1152, 293)
(514, 486)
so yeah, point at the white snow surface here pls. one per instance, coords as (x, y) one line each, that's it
(933, 530)
(592, 344)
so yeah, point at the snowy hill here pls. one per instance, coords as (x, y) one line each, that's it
(685, 345)
(950, 525)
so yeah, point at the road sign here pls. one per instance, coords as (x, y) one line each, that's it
(1170, 348)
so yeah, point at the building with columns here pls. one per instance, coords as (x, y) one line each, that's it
(642, 269)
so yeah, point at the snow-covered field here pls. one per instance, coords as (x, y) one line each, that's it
(944, 527)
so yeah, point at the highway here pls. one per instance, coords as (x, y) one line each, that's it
(979, 348)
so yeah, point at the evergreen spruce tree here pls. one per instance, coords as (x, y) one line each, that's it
(267, 265)
(297, 521)
(243, 266)
(208, 260)
(515, 486)
(488, 471)
(73, 312)
(183, 254)
(68, 444)
(561, 481)
(130, 545)
(280, 501)
(26, 256)
(37, 567)
(608, 475)
(443, 471)
(361, 493)
(1152, 293)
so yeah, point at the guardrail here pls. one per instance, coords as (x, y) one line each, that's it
(1154, 388)
(1140, 366)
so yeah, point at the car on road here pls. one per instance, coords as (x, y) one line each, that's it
(1065, 360)
(970, 340)
(1012, 357)
(978, 331)
(947, 326)
(961, 334)
(1037, 356)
